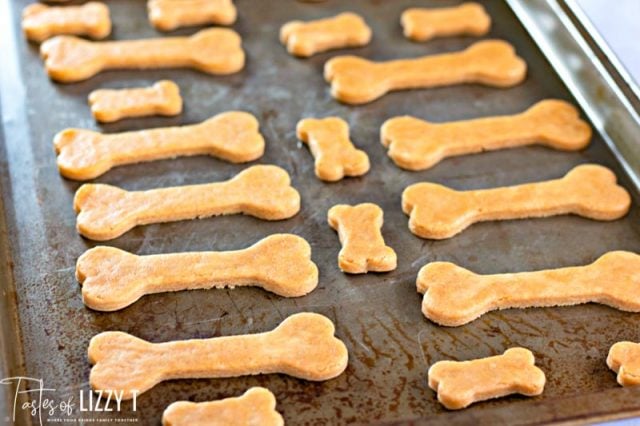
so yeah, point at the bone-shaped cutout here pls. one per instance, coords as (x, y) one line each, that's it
(454, 296)
(106, 212)
(40, 22)
(590, 190)
(308, 38)
(167, 15)
(336, 156)
(215, 51)
(356, 80)
(302, 346)
(416, 144)
(85, 154)
(113, 279)
(363, 248)
(624, 359)
(162, 98)
(423, 24)
(256, 407)
(460, 384)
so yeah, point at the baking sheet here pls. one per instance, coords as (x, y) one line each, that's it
(378, 316)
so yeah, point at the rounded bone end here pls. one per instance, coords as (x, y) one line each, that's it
(217, 51)
(559, 125)
(496, 63)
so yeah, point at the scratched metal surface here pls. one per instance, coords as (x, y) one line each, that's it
(378, 316)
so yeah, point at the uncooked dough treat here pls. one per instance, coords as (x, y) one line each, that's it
(40, 22)
(113, 279)
(231, 136)
(109, 105)
(416, 144)
(589, 190)
(68, 59)
(356, 80)
(460, 384)
(307, 38)
(256, 407)
(106, 212)
(454, 296)
(302, 346)
(335, 155)
(363, 247)
(167, 15)
(624, 357)
(421, 24)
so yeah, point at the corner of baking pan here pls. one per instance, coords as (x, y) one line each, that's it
(553, 27)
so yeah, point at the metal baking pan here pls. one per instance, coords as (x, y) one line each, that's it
(46, 328)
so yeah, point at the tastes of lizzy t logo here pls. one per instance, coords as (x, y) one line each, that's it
(40, 403)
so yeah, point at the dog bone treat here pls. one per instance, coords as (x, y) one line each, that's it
(466, 19)
(302, 346)
(460, 384)
(416, 144)
(624, 359)
(163, 98)
(307, 38)
(454, 296)
(215, 51)
(256, 407)
(113, 279)
(167, 15)
(335, 155)
(356, 80)
(40, 22)
(363, 248)
(438, 212)
(85, 154)
(106, 212)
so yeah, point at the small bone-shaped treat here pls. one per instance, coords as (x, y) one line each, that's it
(40, 22)
(356, 80)
(109, 105)
(215, 51)
(460, 384)
(307, 38)
(624, 359)
(416, 144)
(302, 346)
(438, 212)
(466, 19)
(256, 407)
(335, 155)
(454, 296)
(85, 154)
(167, 15)
(106, 212)
(113, 279)
(363, 247)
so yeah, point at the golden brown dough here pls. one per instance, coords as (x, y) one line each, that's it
(40, 22)
(624, 357)
(422, 24)
(167, 15)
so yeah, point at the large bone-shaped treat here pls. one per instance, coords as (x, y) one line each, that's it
(113, 279)
(106, 212)
(416, 144)
(363, 247)
(356, 80)
(40, 22)
(422, 24)
(85, 154)
(624, 359)
(307, 38)
(460, 384)
(109, 105)
(438, 212)
(167, 15)
(454, 296)
(216, 51)
(302, 346)
(256, 407)
(335, 155)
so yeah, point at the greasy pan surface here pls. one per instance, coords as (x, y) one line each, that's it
(378, 316)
